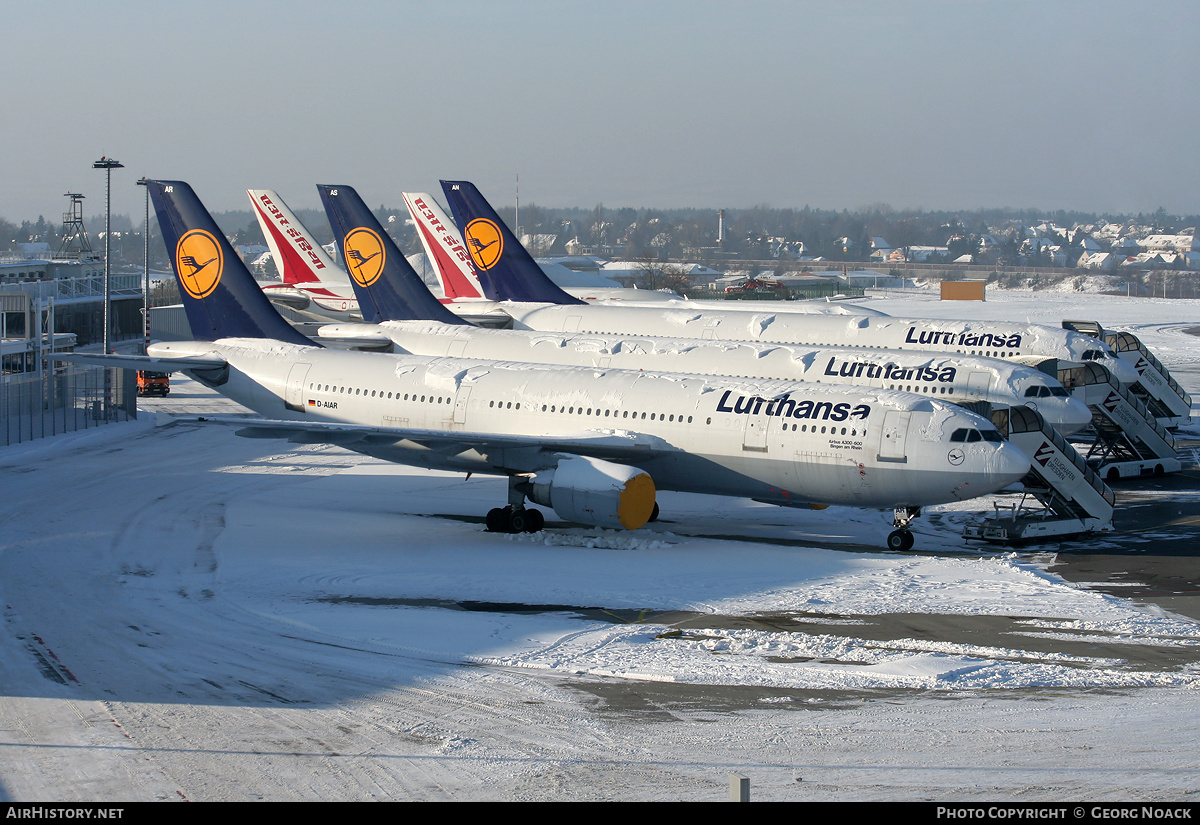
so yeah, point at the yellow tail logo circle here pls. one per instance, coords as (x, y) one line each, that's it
(484, 242)
(199, 263)
(365, 255)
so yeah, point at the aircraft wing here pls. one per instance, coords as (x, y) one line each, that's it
(143, 362)
(517, 453)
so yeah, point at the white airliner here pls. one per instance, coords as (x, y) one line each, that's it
(313, 285)
(592, 444)
(950, 377)
(497, 256)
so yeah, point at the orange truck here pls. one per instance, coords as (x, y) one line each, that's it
(153, 383)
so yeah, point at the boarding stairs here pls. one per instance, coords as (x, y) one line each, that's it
(1062, 495)
(1156, 388)
(1129, 441)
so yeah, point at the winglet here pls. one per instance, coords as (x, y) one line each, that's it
(503, 265)
(387, 286)
(219, 294)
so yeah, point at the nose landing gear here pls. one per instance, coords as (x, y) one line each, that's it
(902, 538)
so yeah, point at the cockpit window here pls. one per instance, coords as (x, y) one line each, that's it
(1042, 391)
(970, 435)
(1093, 355)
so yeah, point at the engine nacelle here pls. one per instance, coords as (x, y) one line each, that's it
(595, 492)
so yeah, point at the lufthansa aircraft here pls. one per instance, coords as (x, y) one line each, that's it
(592, 444)
(950, 377)
(499, 258)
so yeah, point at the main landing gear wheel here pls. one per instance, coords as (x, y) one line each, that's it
(514, 520)
(900, 540)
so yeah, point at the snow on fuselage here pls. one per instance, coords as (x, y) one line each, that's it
(785, 442)
(993, 339)
(645, 297)
(950, 377)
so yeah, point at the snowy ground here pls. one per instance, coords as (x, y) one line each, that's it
(191, 615)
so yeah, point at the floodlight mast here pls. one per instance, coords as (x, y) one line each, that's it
(107, 164)
(146, 275)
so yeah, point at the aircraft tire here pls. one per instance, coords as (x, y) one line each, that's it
(496, 521)
(534, 521)
(900, 540)
(518, 521)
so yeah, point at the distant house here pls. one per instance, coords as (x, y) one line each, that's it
(539, 244)
(250, 252)
(922, 254)
(1098, 260)
(1150, 260)
(1170, 243)
(34, 250)
(881, 250)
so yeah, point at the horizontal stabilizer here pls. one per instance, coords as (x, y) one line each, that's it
(142, 362)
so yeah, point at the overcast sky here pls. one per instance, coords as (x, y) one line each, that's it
(933, 104)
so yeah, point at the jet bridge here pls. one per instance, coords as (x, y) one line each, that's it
(1063, 496)
(1156, 388)
(1129, 440)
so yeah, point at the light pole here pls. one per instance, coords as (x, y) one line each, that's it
(146, 283)
(107, 164)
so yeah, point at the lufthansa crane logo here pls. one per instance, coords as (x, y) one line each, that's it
(365, 255)
(484, 242)
(199, 262)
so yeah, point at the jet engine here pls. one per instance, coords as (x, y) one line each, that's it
(591, 491)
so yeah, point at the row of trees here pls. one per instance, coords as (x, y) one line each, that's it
(634, 234)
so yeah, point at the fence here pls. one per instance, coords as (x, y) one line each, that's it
(37, 406)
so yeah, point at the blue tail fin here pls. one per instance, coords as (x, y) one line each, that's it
(387, 286)
(502, 263)
(219, 294)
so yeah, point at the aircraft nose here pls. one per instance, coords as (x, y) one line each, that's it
(998, 468)
(1075, 416)
(1122, 370)
(1009, 464)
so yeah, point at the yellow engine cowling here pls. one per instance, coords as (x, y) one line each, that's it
(591, 491)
